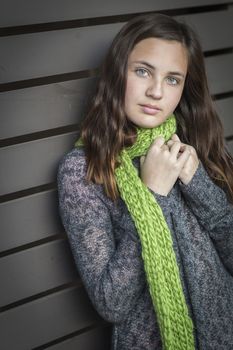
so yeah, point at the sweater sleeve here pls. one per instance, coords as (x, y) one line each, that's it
(213, 211)
(112, 272)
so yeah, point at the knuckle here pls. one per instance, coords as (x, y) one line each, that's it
(154, 148)
(159, 139)
(172, 162)
(175, 165)
(177, 143)
(185, 173)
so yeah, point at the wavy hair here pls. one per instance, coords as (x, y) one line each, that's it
(106, 130)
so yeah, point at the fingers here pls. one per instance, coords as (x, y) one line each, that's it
(175, 148)
(157, 145)
(181, 149)
(175, 137)
(184, 150)
(159, 141)
(183, 157)
(165, 147)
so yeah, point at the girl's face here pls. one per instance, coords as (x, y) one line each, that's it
(155, 80)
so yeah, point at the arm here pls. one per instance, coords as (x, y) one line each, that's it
(112, 273)
(213, 211)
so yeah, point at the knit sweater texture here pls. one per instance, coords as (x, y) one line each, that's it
(107, 252)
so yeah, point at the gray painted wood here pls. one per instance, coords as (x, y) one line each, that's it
(32, 11)
(225, 108)
(220, 72)
(44, 107)
(95, 339)
(230, 147)
(29, 219)
(213, 28)
(35, 270)
(55, 52)
(43, 320)
(35, 163)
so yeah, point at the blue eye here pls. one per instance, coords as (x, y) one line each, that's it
(141, 72)
(172, 81)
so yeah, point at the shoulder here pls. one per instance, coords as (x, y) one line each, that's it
(72, 171)
(74, 191)
(73, 161)
(71, 177)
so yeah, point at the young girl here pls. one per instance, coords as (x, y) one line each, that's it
(146, 195)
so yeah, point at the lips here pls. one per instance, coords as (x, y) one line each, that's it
(150, 109)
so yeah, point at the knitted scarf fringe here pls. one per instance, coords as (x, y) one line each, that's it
(162, 272)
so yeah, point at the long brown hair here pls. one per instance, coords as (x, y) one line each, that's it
(106, 130)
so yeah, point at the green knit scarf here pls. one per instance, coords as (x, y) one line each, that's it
(160, 264)
(162, 272)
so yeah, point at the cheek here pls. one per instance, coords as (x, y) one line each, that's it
(175, 97)
(130, 92)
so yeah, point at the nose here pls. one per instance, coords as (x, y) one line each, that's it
(155, 90)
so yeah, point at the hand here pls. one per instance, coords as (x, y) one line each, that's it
(191, 164)
(162, 165)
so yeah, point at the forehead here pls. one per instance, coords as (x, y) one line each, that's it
(160, 53)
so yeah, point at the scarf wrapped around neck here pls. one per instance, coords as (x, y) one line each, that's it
(162, 272)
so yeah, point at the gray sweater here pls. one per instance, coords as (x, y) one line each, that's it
(107, 252)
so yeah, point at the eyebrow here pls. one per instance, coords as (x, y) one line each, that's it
(152, 67)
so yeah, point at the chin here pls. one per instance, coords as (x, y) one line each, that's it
(148, 126)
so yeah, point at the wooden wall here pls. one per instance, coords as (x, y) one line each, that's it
(49, 54)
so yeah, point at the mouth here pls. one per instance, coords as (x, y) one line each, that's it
(150, 109)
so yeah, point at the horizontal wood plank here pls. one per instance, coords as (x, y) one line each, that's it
(57, 52)
(225, 108)
(29, 219)
(44, 107)
(35, 163)
(48, 53)
(46, 319)
(230, 147)
(35, 270)
(212, 28)
(95, 339)
(219, 71)
(32, 11)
